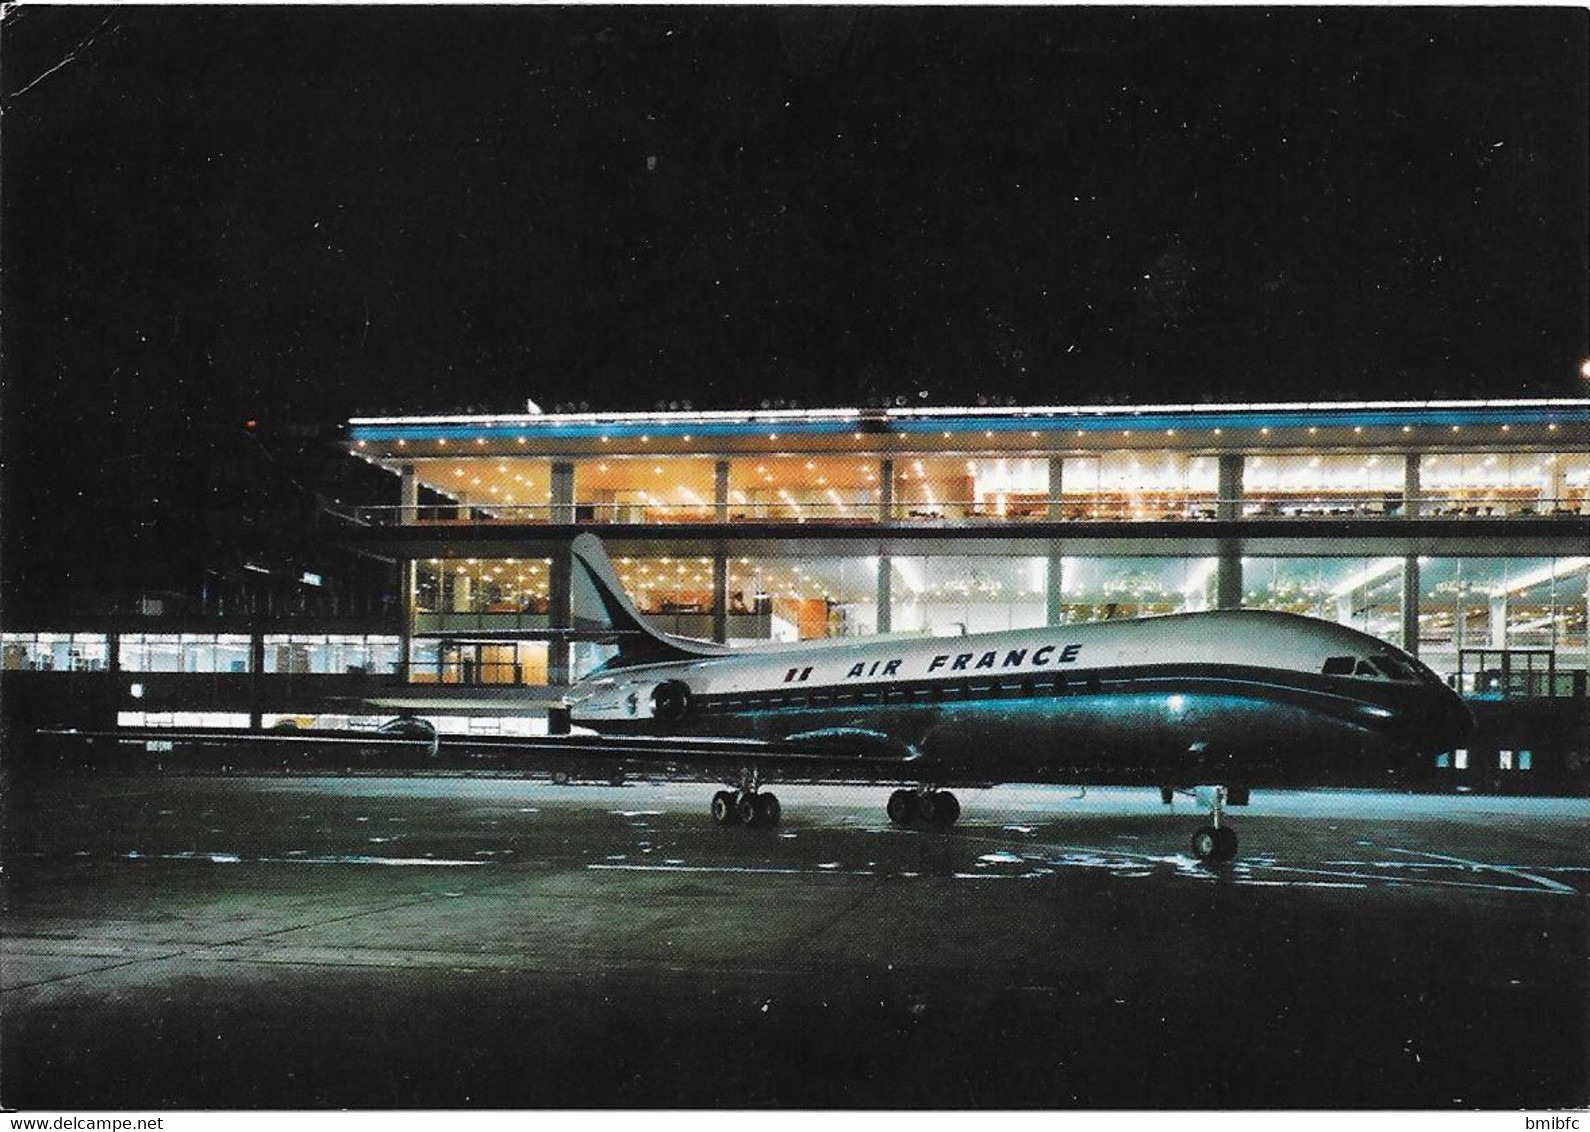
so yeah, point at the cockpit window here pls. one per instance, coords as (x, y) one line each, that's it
(1393, 667)
(1378, 667)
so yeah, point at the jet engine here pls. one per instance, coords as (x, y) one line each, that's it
(670, 701)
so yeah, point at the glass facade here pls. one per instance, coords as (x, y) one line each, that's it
(472, 662)
(184, 652)
(799, 599)
(803, 488)
(1501, 483)
(972, 594)
(1324, 485)
(1139, 486)
(331, 653)
(54, 652)
(645, 489)
(483, 585)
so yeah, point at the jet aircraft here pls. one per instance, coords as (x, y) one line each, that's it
(1217, 702)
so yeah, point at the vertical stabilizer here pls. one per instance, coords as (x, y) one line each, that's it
(600, 602)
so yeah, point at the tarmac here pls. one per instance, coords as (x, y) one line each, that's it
(439, 942)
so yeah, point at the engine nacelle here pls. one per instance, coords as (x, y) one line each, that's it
(670, 701)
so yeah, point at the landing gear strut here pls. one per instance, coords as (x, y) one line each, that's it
(1215, 842)
(933, 807)
(749, 805)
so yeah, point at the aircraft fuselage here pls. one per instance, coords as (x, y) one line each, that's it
(1232, 696)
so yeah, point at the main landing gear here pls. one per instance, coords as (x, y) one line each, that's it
(1215, 842)
(932, 807)
(747, 805)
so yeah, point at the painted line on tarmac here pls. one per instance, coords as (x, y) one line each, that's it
(716, 869)
(1481, 866)
(352, 859)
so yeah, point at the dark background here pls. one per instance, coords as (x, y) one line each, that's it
(212, 215)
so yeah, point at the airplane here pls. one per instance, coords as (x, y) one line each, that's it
(1214, 703)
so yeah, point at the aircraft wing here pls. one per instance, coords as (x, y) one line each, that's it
(830, 755)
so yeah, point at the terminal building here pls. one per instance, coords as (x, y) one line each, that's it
(1457, 530)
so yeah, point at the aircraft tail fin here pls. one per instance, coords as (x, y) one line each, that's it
(600, 602)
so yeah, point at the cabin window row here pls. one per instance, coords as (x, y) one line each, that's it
(1074, 682)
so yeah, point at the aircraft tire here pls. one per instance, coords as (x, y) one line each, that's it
(724, 810)
(749, 812)
(903, 807)
(946, 809)
(1205, 842)
(767, 809)
(1225, 843)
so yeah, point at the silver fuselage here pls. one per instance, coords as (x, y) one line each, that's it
(1238, 695)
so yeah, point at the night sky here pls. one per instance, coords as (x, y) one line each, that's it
(213, 214)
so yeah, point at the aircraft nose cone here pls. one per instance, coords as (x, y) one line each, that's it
(1450, 721)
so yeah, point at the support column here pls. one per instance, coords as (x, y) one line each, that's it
(562, 492)
(885, 490)
(1344, 608)
(408, 569)
(1412, 492)
(1228, 574)
(720, 493)
(256, 686)
(720, 585)
(408, 495)
(1558, 473)
(1410, 604)
(1054, 585)
(1499, 621)
(560, 616)
(1056, 470)
(885, 594)
(1229, 488)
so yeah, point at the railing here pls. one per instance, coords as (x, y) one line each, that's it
(1145, 507)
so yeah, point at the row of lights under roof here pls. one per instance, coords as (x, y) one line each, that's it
(1265, 430)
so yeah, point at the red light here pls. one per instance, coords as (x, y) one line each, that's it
(251, 423)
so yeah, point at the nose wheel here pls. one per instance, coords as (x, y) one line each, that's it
(1215, 842)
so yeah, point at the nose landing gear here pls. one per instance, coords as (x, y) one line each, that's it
(1215, 842)
(933, 807)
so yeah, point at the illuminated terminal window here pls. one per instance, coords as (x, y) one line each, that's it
(644, 489)
(971, 594)
(1324, 484)
(1504, 604)
(234, 719)
(477, 662)
(331, 653)
(55, 652)
(970, 487)
(1500, 483)
(668, 584)
(1108, 588)
(806, 598)
(1139, 486)
(485, 489)
(502, 586)
(184, 652)
(803, 488)
(1364, 593)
